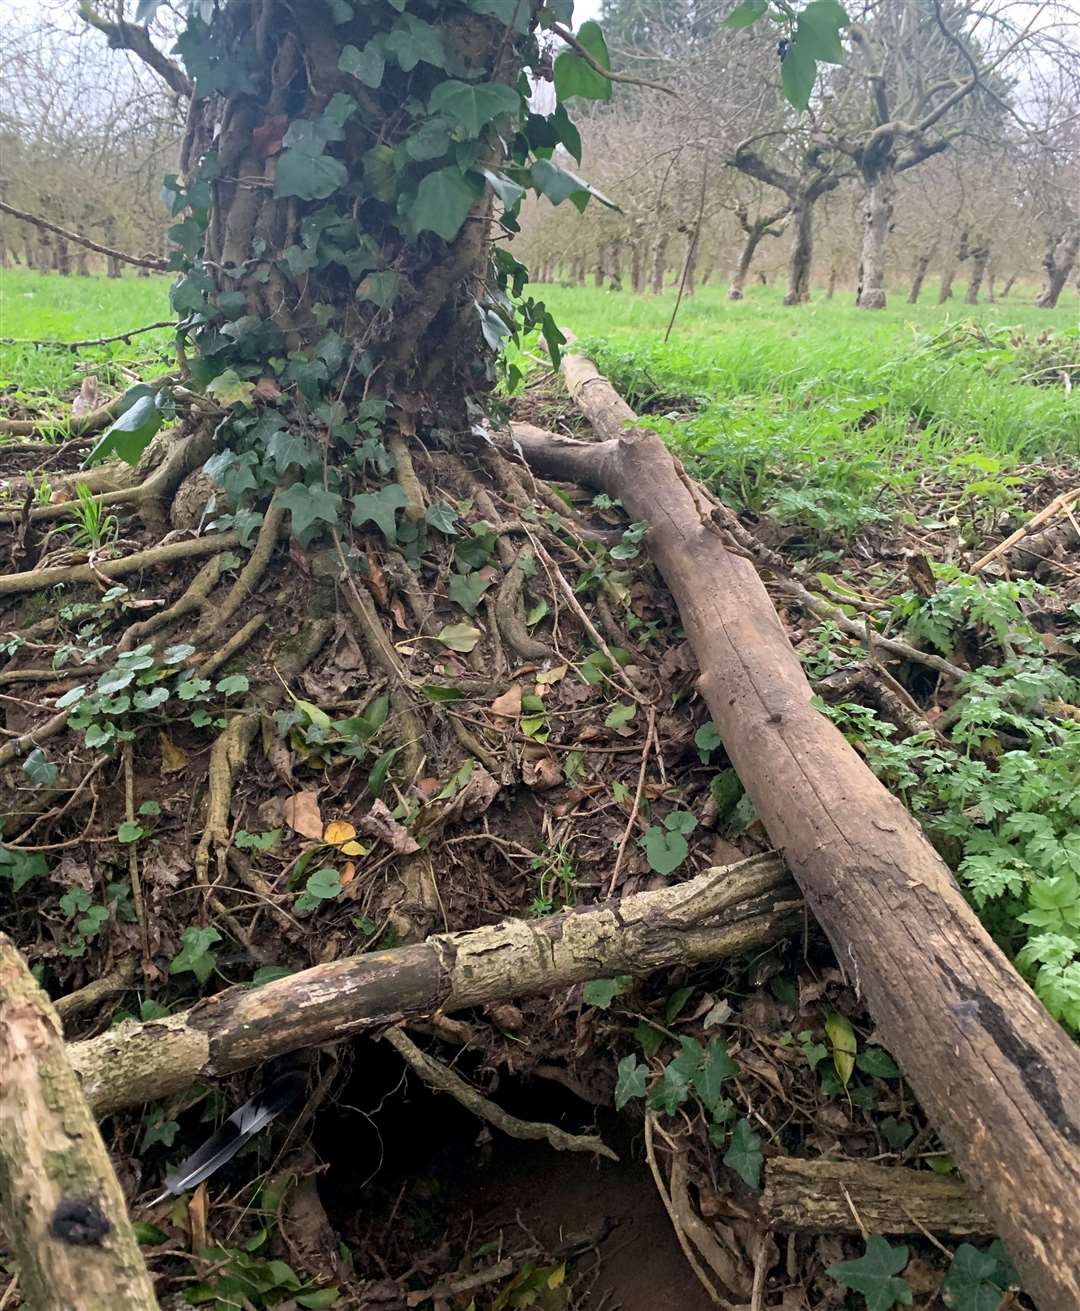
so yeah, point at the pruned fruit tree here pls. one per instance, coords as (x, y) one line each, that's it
(326, 496)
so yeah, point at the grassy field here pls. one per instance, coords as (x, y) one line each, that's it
(826, 414)
(45, 306)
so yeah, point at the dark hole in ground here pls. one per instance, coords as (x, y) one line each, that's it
(411, 1172)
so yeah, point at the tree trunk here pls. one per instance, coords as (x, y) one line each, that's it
(579, 271)
(598, 269)
(1058, 262)
(82, 263)
(637, 268)
(63, 258)
(61, 1205)
(802, 253)
(830, 291)
(997, 1076)
(980, 256)
(720, 913)
(686, 276)
(1008, 286)
(878, 203)
(614, 265)
(991, 276)
(659, 265)
(948, 273)
(919, 275)
(741, 270)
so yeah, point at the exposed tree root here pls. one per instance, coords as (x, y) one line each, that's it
(116, 981)
(154, 557)
(443, 1079)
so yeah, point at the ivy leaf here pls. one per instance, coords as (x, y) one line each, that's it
(443, 518)
(195, 955)
(467, 590)
(415, 42)
(877, 1062)
(232, 683)
(505, 188)
(129, 435)
(309, 506)
(976, 1281)
(379, 288)
(664, 851)
(716, 1067)
(602, 992)
(746, 13)
(875, 1275)
(443, 200)
(559, 184)
(744, 1154)
(620, 715)
(574, 77)
(309, 177)
(431, 140)
(630, 1081)
(22, 866)
(39, 769)
(367, 65)
(817, 37)
(672, 1090)
(229, 388)
(459, 637)
(473, 105)
(380, 508)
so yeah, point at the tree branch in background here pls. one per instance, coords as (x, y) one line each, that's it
(571, 40)
(129, 36)
(142, 262)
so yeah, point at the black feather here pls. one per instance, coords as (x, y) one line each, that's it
(244, 1123)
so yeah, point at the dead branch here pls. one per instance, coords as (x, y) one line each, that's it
(813, 1197)
(971, 1037)
(61, 1204)
(142, 262)
(721, 913)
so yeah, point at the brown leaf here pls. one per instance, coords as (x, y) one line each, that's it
(509, 704)
(302, 814)
(266, 389)
(920, 574)
(541, 773)
(197, 1208)
(379, 823)
(473, 799)
(173, 759)
(266, 138)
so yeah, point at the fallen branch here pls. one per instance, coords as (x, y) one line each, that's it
(142, 262)
(1056, 506)
(62, 1207)
(440, 1077)
(997, 1076)
(816, 1197)
(721, 913)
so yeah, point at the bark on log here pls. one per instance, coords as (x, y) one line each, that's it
(812, 1197)
(997, 1076)
(721, 913)
(61, 1204)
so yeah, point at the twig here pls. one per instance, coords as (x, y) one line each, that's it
(691, 250)
(575, 45)
(117, 980)
(160, 265)
(443, 1079)
(650, 733)
(92, 341)
(133, 857)
(1061, 502)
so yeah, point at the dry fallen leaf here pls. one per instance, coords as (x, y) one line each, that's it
(197, 1208)
(301, 812)
(379, 823)
(541, 773)
(509, 704)
(173, 759)
(341, 834)
(348, 871)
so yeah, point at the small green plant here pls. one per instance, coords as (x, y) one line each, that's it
(555, 877)
(93, 524)
(665, 844)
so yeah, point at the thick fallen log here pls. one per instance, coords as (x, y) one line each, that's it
(724, 912)
(61, 1205)
(828, 1197)
(998, 1078)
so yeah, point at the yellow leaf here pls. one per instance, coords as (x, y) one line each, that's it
(173, 759)
(844, 1045)
(552, 675)
(557, 1276)
(341, 834)
(318, 717)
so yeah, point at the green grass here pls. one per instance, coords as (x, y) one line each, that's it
(829, 416)
(45, 306)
